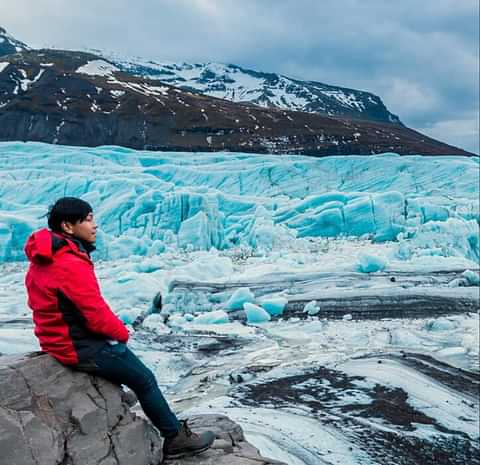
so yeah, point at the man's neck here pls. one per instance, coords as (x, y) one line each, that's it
(84, 246)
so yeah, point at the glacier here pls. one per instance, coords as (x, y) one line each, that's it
(149, 202)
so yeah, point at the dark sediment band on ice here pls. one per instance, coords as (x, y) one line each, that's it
(463, 381)
(384, 422)
(276, 282)
(363, 296)
(377, 307)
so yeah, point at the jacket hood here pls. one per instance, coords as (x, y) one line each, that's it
(42, 245)
(39, 248)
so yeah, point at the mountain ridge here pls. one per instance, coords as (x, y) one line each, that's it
(9, 44)
(79, 98)
(266, 89)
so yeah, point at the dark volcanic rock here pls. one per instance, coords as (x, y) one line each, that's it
(43, 97)
(51, 415)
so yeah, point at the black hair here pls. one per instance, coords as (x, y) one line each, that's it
(69, 209)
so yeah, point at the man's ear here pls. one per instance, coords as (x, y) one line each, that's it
(67, 227)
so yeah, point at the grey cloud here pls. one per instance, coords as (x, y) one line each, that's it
(421, 57)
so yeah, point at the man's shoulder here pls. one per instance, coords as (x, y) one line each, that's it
(68, 257)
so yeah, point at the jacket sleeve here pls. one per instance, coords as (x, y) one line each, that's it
(79, 284)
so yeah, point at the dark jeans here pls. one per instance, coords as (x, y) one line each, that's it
(120, 365)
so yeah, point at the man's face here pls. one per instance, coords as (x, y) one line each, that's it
(86, 229)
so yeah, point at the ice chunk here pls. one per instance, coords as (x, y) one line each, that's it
(434, 213)
(440, 324)
(212, 318)
(311, 308)
(274, 306)
(129, 316)
(264, 234)
(176, 321)
(219, 297)
(255, 314)
(149, 265)
(370, 264)
(241, 296)
(206, 266)
(472, 277)
(155, 323)
(458, 282)
(405, 338)
(471, 342)
(454, 237)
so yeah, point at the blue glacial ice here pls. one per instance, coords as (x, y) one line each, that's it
(128, 316)
(274, 305)
(240, 297)
(212, 318)
(256, 314)
(311, 308)
(147, 203)
(453, 237)
(370, 263)
(472, 277)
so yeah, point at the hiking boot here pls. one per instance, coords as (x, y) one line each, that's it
(186, 442)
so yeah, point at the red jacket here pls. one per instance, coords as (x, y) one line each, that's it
(72, 320)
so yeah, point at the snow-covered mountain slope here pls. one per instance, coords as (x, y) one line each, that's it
(8, 43)
(237, 84)
(78, 98)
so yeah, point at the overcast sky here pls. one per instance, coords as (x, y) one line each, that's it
(420, 56)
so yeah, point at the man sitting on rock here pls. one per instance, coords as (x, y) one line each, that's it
(76, 326)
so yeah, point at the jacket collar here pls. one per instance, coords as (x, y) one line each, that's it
(83, 246)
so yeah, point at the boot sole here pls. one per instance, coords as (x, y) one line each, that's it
(188, 453)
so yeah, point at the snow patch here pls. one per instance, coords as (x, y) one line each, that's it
(98, 68)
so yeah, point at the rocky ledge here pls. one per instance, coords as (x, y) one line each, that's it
(51, 415)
